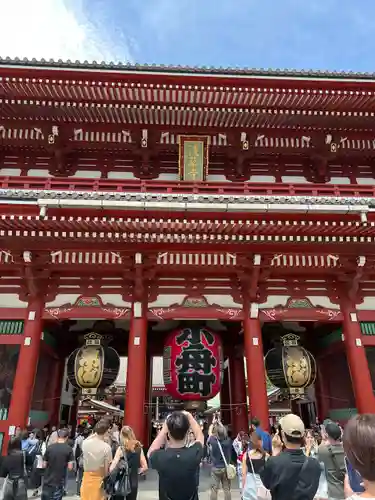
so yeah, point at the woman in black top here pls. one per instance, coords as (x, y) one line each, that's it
(37, 469)
(253, 461)
(137, 462)
(13, 469)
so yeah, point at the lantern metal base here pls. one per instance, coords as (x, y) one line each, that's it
(296, 392)
(195, 405)
(89, 392)
(292, 394)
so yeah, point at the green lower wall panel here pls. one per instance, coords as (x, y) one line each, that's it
(342, 413)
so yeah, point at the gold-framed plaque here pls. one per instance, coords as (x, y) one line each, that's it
(193, 158)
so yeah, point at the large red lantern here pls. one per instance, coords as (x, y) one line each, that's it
(193, 364)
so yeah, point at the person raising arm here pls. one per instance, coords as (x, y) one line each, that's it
(161, 438)
(178, 464)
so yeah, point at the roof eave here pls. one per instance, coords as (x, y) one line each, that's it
(202, 72)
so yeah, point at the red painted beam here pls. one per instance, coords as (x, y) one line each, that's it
(88, 228)
(82, 245)
(368, 340)
(11, 339)
(188, 76)
(182, 187)
(292, 132)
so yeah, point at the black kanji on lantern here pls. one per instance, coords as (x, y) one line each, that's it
(195, 362)
(194, 338)
(195, 383)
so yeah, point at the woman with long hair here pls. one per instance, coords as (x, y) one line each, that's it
(37, 467)
(253, 461)
(240, 446)
(13, 468)
(359, 446)
(310, 448)
(220, 452)
(130, 450)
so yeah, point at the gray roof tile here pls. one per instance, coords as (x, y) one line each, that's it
(51, 63)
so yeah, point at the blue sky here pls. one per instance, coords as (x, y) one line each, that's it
(319, 34)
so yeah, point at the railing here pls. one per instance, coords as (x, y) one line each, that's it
(202, 188)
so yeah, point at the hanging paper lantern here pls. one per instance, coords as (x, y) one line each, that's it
(290, 366)
(193, 364)
(93, 366)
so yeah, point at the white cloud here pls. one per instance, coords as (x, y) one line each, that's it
(57, 29)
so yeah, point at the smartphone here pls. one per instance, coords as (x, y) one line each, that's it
(355, 478)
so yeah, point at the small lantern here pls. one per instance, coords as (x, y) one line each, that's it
(93, 366)
(290, 366)
(193, 364)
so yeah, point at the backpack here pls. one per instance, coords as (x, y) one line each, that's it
(340, 473)
(33, 452)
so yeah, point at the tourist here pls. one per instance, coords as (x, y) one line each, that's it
(240, 445)
(359, 446)
(35, 455)
(311, 450)
(311, 446)
(18, 432)
(220, 451)
(290, 474)
(58, 458)
(78, 439)
(115, 433)
(253, 461)
(78, 456)
(52, 437)
(277, 443)
(45, 432)
(266, 438)
(177, 465)
(331, 454)
(29, 445)
(190, 438)
(131, 449)
(13, 468)
(97, 456)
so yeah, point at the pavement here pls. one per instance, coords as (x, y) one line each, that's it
(148, 487)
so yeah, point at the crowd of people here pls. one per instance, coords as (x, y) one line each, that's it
(40, 460)
(287, 463)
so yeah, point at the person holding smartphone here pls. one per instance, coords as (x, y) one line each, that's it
(359, 446)
(177, 465)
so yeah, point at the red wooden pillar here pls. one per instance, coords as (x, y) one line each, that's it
(225, 398)
(136, 373)
(238, 399)
(27, 365)
(357, 360)
(256, 374)
(147, 402)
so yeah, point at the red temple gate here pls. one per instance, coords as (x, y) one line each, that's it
(101, 197)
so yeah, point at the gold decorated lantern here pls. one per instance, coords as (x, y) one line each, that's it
(290, 367)
(93, 366)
